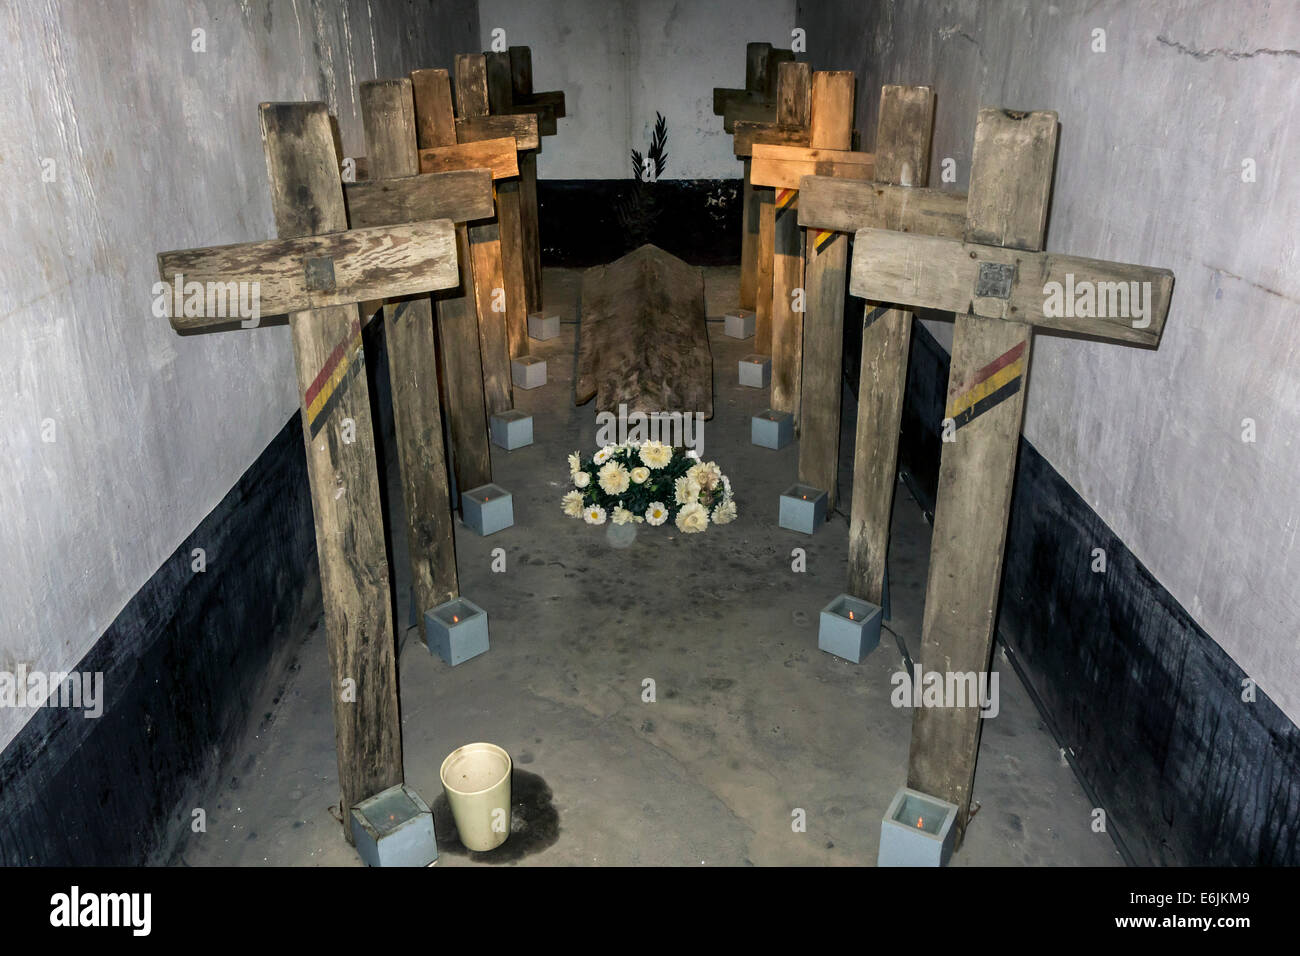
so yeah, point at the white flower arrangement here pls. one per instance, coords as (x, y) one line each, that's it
(649, 483)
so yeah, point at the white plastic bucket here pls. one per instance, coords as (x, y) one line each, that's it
(476, 778)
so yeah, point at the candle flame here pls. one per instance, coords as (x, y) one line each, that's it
(919, 823)
(851, 617)
(455, 619)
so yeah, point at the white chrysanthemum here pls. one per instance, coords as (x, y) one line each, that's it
(582, 479)
(725, 513)
(623, 516)
(640, 474)
(693, 454)
(572, 503)
(693, 518)
(594, 514)
(686, 490)
(604, 454)
(575, 463)
(656, 514)
(707, 474)
(655, 454)
(726, 487)
(613, 478)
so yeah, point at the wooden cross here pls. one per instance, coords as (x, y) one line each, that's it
(830, 136)
(475, 355)
(510, 93)
(316, 272)
(1000, 287)
(901, 156)
(790, 117)
(897, 201)
(397, 193)
(758, 102)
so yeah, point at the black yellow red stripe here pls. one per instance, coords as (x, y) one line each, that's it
(332, 380)
(989, 387)
(822, 238)
(785, 200)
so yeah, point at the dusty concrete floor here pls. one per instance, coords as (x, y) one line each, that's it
(751, 722)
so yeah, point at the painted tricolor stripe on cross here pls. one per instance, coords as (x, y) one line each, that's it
(990, 386)
(785, 200)
(822, 238)
(331, 382)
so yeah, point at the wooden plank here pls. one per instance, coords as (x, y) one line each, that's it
(903, 132)
(643, 340)
(794, 94)
(471, 85)
(782, 167)
(433, 108)
(307, 196)
(830, 124)
(746, 135)
(756, 56)
(388, 117)
(766, 249)
(499, 82)
(521, 84)
(847, 206)
(945, 274)
(748, 107)
(1011, 174)
(459, 343)
(521, 127)
(748, 241)
(494, 343)
(510, 218)
(548, 101)
(775, 59)
(787, 323)
(722, 96)
(546, 125)
(521, 71)
(530, 225)
(404, 259)
(497, 155)
(460, 195)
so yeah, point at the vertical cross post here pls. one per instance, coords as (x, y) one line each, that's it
(307, 198)
(388, 116)
(502, 239)
(465, 377)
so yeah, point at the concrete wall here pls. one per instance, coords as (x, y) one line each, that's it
(618, 61)
(1154, 132)
(154, 147)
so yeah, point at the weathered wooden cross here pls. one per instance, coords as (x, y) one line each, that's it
(397, 193)
(755, 104)
(830, 137)
(317, 272)
(902, 152)
(471, 322)
(897, 201)
(510, 92)
(1000, 286)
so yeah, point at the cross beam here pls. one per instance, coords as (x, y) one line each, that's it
(307, 198)
(1011, 175)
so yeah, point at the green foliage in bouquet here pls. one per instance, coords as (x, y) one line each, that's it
(651, 483)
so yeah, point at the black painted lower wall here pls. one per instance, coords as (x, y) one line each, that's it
(184, 665)
(1148, 706)
(588, 222)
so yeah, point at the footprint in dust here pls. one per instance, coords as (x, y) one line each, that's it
(534, 822)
